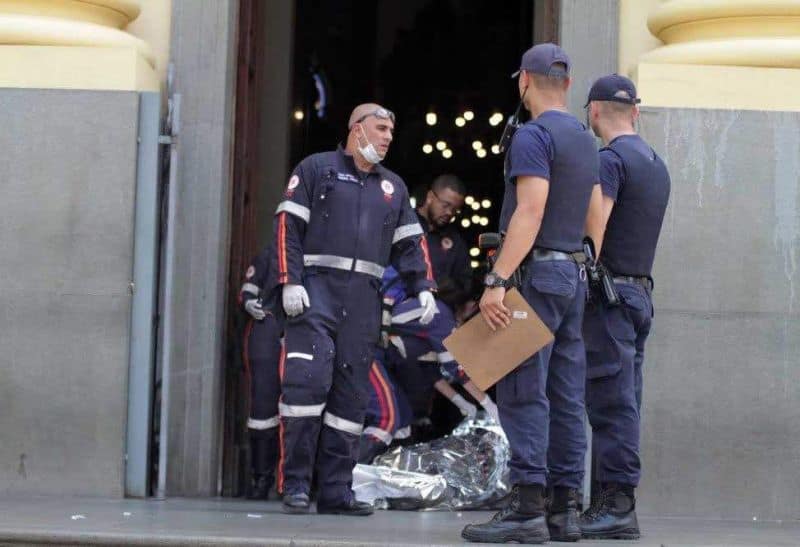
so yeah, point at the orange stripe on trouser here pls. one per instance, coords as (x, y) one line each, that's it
(281, 364)
(388, 424)
(373, 378)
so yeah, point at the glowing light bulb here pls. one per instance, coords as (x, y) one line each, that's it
(475, 205)
(427, 148)
(460, 122)
(430, 118)
(468, 200)
(299, 115)
(474, 251)
(484, 221)
(465, 223)
(486, 204)
(441, 145)
(469, 115)
(474, 264)
(481, 153)
(447, 153)
(476, 219)
(477, 145)
(495, 149)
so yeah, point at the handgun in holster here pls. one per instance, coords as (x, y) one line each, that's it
(491, 243)
(601, 284)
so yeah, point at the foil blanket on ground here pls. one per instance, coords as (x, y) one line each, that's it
(473, 461)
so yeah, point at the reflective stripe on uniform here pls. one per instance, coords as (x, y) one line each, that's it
(407, 230)
(295, 209)
(445, 357)
(251, 288)
(429, 357)
(400, 345)
(270, 423)
(298, 355)
(331, 420)
(403, 433)
(384, 436)
(406, 316)
(369, 268)
(344, 263)
(300, 411)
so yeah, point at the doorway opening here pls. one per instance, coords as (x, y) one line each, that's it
(443, 67)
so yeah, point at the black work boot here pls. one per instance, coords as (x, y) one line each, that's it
(351, 508)
(612, 514)
(262, 474)
(562, 515)
(296, 504)
(523, 520)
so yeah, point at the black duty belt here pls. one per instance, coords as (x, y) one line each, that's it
(644, 281)
(541, 255)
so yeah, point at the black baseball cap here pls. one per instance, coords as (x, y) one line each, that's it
(615, 88)
(540, 60)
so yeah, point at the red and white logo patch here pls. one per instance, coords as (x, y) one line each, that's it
(251, 271)
(387, 187)
(447, 243)
(294, 182)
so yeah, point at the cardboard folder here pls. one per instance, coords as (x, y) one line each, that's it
(488, 355)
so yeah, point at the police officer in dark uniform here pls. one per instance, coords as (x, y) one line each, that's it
(343, 220)
(636, 188)
(551, 186)
(261, 353)
(449, 254)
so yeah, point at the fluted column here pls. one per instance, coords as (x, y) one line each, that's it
(73, 44)
(742, 54)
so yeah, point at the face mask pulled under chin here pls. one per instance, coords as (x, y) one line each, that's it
(368, 152)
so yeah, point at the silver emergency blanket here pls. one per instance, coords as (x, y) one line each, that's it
(389, 488)
(473, 461)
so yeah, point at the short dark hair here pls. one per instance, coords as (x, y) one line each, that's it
(555, 80)
(449, 181)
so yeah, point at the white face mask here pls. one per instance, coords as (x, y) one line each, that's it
(368, 152)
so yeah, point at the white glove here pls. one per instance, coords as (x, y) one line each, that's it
(467, 409)
(428, 303)
(294, 298)
(253, 307)
(491, 408)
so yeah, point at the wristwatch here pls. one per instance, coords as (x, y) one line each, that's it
(493, 281)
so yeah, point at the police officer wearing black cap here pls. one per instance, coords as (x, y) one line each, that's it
(552, 198)
(636, 187)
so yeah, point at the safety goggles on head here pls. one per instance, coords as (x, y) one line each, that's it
(380, 113)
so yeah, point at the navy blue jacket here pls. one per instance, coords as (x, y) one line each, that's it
(334, 215)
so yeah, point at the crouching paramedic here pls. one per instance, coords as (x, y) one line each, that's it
(262, 350)
(344, 218)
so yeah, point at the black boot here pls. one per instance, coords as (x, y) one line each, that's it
(523, 520)
(350, 508)
(562, 515)
(612, 514)
(296, 504)
(262, 473)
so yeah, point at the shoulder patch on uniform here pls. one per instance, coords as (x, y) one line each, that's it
(251, 271)
(447, 243)
(387, 187)
(294, 182)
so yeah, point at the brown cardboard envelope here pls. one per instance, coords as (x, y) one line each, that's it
(487, 356)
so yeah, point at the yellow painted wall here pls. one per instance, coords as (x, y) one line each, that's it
(153, 26)
(737, 54)
(634, 36)
(84, 44)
